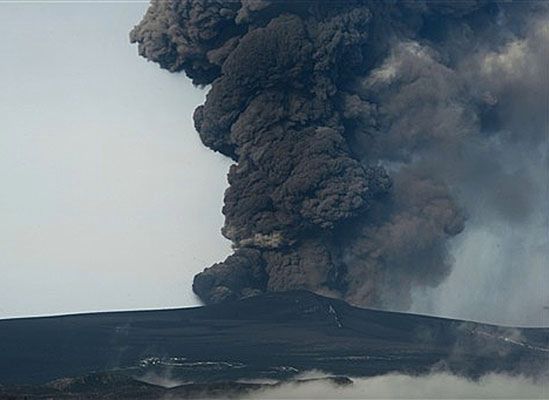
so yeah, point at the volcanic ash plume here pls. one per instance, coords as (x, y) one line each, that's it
(338, 116)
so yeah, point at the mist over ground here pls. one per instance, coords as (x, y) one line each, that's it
(435, 386)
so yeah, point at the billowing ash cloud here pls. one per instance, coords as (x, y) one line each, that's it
(358, 129)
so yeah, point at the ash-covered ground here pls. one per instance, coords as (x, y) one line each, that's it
(251, 344)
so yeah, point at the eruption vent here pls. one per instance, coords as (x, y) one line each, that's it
(342, 118)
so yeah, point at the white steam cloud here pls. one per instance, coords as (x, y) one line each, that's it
(436, 386)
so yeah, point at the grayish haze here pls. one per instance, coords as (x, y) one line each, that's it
(109, 200)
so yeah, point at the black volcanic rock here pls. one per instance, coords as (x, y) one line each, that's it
(120, 387)
(273, 336)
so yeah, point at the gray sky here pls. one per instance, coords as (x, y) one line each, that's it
(108, 199)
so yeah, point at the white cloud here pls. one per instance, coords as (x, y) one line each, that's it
(436, 386)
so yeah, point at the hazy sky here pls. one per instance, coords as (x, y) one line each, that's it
(108, 200)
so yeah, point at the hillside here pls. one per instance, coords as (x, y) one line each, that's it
(274, 336)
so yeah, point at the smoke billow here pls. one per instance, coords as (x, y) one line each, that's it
(363, 133)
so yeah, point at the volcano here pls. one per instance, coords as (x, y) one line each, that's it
(273, 337)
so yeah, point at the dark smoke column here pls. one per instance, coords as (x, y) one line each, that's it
(306, 207)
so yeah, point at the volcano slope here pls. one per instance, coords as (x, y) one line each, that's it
(272, 336)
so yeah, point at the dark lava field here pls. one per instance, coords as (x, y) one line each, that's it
(271, 338)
